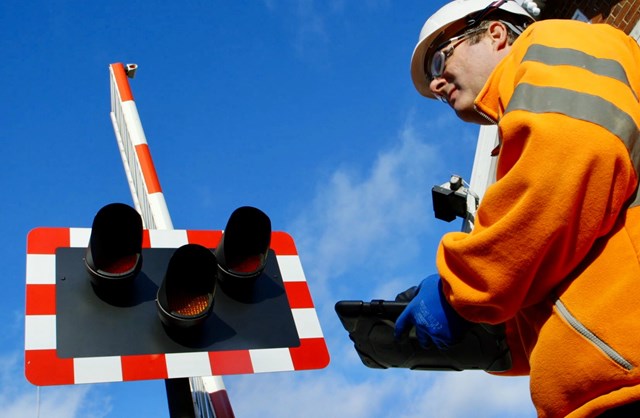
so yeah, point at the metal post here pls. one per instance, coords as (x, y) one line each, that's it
(179, 398)
(484, 169)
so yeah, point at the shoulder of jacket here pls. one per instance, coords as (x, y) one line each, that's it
(559, 31)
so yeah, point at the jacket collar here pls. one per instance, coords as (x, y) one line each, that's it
(489, 101)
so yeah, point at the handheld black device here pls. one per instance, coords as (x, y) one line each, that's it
(371, 328)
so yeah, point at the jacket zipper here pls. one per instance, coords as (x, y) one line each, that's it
(484, 115)
(585, 332)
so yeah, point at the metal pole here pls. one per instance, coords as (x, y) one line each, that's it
(179, 398)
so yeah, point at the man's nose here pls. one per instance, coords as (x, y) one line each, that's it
(437, 86)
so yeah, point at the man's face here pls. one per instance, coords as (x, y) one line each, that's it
(465, 73)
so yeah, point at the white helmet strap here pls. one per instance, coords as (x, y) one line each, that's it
(479, 16)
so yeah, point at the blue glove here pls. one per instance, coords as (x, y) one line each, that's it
(434, 319)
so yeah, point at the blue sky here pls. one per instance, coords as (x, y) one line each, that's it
(303, 108)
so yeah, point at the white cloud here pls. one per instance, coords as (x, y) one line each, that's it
(364, 393)
(320, 395)
(312, 22)
(307, 22)
(475, 394)
(364, 218)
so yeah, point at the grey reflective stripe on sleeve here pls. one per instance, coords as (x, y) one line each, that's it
(580, 106)
(565, 56)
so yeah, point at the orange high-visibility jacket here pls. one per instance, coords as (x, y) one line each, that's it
(556, 244)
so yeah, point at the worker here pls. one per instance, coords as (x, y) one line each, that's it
(554, 253)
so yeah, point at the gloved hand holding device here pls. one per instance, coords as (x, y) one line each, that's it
(435, 320)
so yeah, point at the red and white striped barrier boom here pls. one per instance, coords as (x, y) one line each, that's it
(136, 157)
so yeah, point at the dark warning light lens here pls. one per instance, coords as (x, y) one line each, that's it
(114, 255)
(185, 297)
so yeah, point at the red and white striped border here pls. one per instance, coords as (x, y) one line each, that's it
(43, 367)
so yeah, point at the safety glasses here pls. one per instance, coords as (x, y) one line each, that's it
(436, 65)
(444, 51)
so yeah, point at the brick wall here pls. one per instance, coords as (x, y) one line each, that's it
(623, 14)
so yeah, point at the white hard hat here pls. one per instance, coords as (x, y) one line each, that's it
(449, 20)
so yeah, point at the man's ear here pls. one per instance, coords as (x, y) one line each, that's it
(499, 35)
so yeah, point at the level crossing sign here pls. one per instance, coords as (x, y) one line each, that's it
(72, 336)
